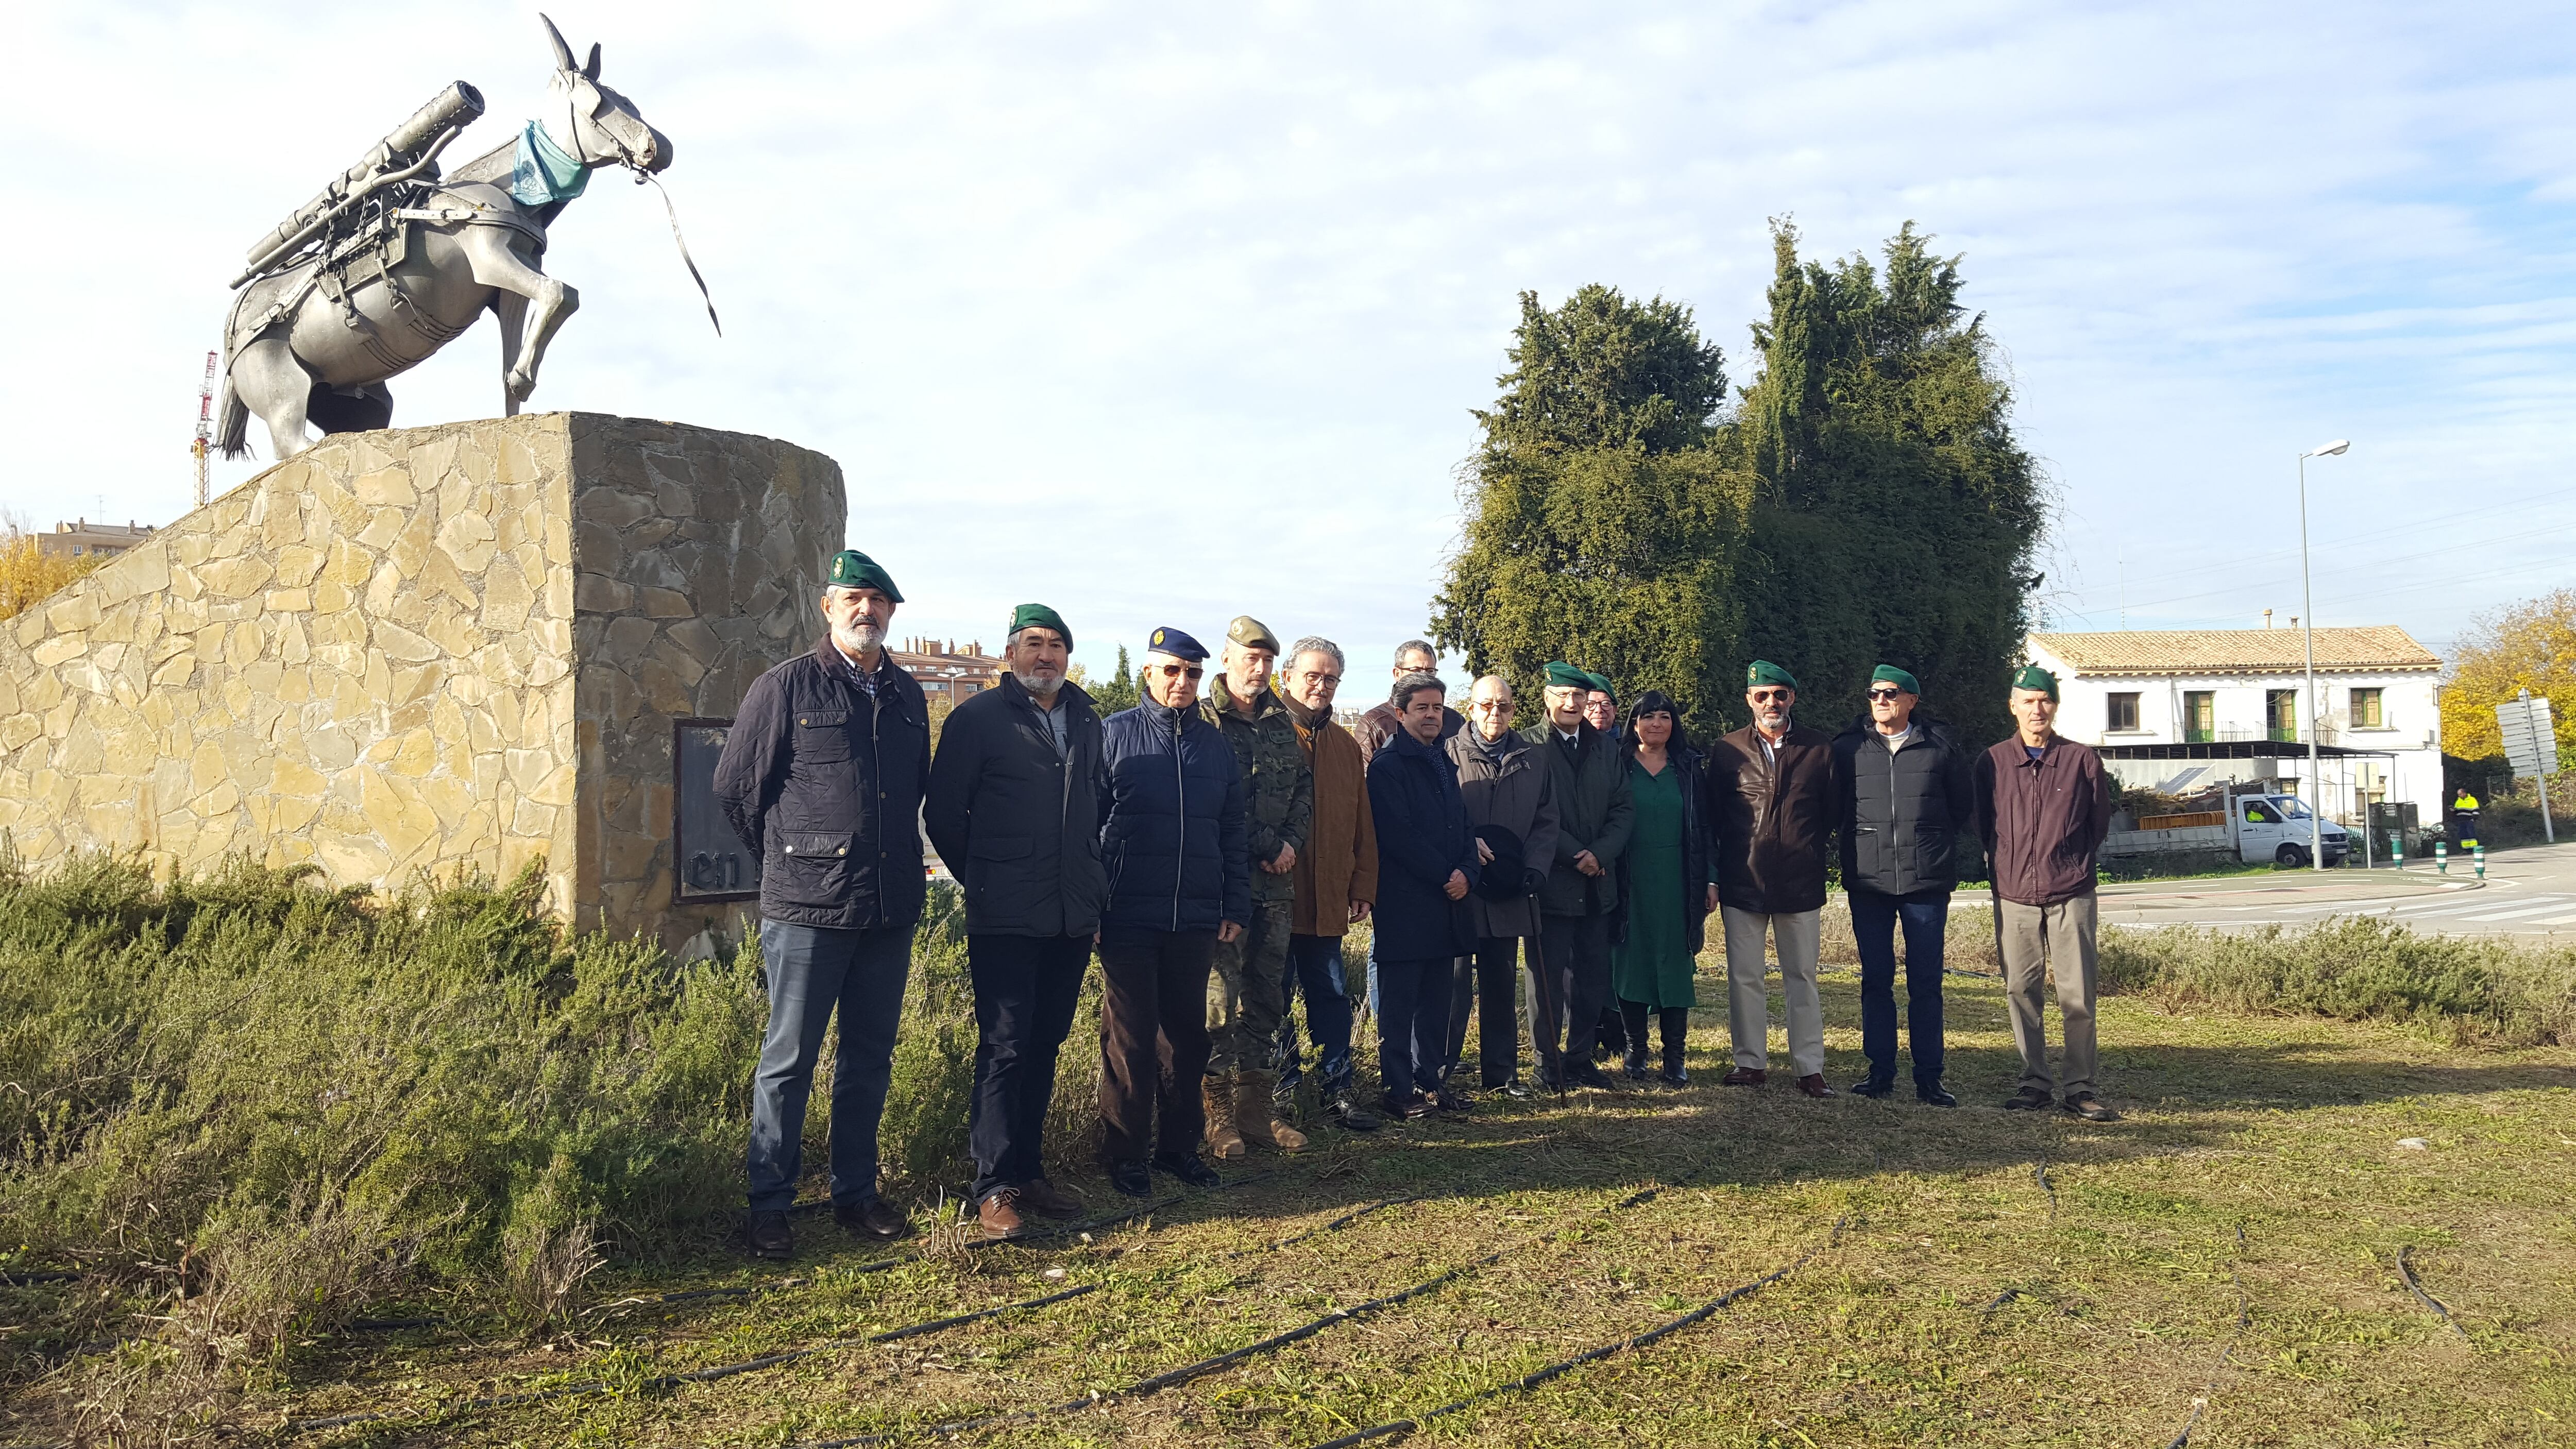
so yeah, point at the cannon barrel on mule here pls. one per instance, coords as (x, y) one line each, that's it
(395, 158)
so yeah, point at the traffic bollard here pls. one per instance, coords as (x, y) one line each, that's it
(2479, 854)
(2442, 857)
(2397, 848)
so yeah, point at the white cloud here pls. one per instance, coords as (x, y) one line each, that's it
(1164, 313)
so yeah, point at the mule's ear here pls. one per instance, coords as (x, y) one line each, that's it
(591, 71)
(563, 52)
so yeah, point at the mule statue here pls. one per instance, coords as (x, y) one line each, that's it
(392, 261)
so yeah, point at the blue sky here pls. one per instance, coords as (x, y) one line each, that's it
(1162, 313)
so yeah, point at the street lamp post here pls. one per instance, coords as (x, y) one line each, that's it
(2308, 642)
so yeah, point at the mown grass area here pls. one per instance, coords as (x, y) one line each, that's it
(2250, 1108)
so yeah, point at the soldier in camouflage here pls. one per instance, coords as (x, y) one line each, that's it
(1247, 993)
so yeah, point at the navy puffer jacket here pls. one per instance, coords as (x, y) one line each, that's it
(1172, 822)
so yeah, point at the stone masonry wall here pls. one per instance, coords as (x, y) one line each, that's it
(422, 649)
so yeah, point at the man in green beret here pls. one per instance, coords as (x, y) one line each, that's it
(1014, 810)
(1772, 787)
(1247, 992)
(1908, 799)
(822, 776)
(2043, 809)
(1588, 780)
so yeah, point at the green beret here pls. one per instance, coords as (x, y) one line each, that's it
(1247, 632)
(1763, 671)
(1890, 674)
(852, 569)
(1566, 676)
(2031, 676)
(1599, 682)
(1037, 616)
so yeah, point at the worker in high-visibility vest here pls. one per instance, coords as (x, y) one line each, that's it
(2464, 818)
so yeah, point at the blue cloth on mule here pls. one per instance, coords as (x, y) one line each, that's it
(545, 172)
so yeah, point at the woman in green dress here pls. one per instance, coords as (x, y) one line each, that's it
(1666, 882)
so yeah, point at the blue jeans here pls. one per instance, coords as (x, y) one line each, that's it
(1926, 918)
(1412, 1024)
(1315, 973)
(813, 969)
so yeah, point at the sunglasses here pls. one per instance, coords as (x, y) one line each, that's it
(1765, 696)
(1885, 693)
(1180, 671)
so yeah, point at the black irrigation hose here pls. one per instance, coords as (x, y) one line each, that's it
(2227, 1355)
(2407, 1272)
(1210, 1365)
(2001, 1299)
(1398, 1428)
(694, 1376)
(41, 1275)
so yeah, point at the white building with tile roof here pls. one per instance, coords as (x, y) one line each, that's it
(2178, 709)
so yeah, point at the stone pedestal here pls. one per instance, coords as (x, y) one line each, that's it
(421, 649)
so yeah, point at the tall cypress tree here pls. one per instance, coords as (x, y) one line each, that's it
(1895, 515)
(1600, 529)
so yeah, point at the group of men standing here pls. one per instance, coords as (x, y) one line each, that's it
(1213, 848)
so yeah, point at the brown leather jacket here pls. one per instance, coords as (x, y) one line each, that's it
(1338, 863)
(2042, 820)
(1773, 822)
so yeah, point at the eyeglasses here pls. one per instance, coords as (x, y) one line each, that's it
(1885, 693)
(1180, 671)
(1765, 696)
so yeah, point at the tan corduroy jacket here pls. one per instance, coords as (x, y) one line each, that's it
(1338, 864)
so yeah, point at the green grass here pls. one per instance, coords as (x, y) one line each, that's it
(2251, 1106)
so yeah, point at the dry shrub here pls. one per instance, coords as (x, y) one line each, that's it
(543, 1270)
(28, 573)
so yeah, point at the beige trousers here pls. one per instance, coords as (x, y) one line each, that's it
(1748, 1007)
(2035, 938)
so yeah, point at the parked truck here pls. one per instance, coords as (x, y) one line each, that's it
(2251, 828)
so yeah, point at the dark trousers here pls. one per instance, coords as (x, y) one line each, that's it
(1315, 974)
(1490, 982)
(1577, 954)
(1153, 1039)
(813, 971)
(1412, 1023)
(1674, 1023)
(1025, 990)
(1926, 918)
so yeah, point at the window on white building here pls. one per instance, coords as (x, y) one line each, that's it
(2366, 710)
(2124, 712)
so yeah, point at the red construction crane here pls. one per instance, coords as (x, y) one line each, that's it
(205, 426)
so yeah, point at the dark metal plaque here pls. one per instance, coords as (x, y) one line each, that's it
(712, 862)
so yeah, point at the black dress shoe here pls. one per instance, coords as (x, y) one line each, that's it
(1188, 1167)
(1353, 1117)
(2029, 1099)
(2090, 1108)
(875, 1218)
(1933, 1094)
(1129, 1176)
(770, 1236)
(1453, 1102)
(1674, 1076)
(1586, 1074)
(1874, 1085)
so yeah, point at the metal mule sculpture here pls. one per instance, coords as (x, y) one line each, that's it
(392, 261)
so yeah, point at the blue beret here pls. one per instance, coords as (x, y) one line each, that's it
(1176, 644)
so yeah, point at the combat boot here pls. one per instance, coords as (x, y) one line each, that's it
(1224, 1138)
(1256, 1119)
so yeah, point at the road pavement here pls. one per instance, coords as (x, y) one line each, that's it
(2528, 892)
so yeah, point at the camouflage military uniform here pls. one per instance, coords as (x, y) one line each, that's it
(1247, 992)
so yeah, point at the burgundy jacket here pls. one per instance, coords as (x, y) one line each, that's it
(2042, 820)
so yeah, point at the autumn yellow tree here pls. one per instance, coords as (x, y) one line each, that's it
(2530, 645)
(28, 573)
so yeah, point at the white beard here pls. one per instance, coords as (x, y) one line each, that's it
(859, 638)
(1043, 686)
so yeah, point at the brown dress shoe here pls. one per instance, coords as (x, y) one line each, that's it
(1813, 1084)
(1000, 1215)
(1047, 1200)
(1745, 1077)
